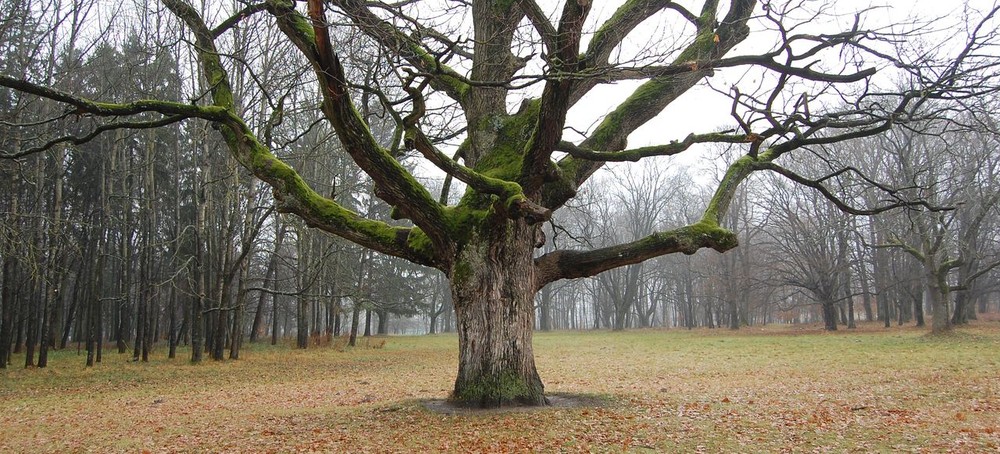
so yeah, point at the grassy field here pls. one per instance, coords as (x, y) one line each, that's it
(772, 390)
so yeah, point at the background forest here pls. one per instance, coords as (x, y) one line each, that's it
(115, 239)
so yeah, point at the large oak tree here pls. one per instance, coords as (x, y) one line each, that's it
(513, 70)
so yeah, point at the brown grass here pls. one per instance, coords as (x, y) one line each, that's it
(780, 389)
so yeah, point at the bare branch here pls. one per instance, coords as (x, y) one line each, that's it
(817, 184)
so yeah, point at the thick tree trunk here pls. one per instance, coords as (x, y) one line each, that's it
(962, 308)
(918, 312)
(493, 290)
(829, 314)
(936, 294)
(734, 315)
(544, 310)
(382, 329)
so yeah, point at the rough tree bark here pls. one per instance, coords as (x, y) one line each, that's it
(493, 290)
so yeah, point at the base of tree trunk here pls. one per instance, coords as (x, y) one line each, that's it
(505, 390)
(554, 400)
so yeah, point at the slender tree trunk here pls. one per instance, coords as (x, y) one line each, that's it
(7, 306)
(236, 338)
(302, 321)
(269, 275)
(33, 308)
(20, 320)
(198, 302)
(95, 332)
(337, 315)
(97, 285)
(72, 313)
(303, 244)
(258, 313)
(355, 321)
(53, 282)
(274, 319)
(172, 336)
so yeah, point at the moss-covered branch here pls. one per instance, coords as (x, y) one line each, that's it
(83, 106)
(635, 154)
(394, 183)
(570, 264)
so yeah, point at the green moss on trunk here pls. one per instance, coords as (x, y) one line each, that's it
(503, 390)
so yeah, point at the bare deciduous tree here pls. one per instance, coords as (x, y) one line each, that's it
(522, 163)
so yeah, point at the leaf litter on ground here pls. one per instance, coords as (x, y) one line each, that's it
(780, 389)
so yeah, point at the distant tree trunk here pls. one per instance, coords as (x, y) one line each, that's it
(302, 321)
(31, 339)
(303, 246)
(274, 319)
(258, 313)
(236, 338)
(382, 328)
(544, 310)
(146, 318)
(269, 276)
(94, 312)
(338, 309)
(866, 294)
(850, 314)
(936, 295)
(432, 328)
(866, 302)
(53, 280)
(72, 312)
(7, 308)
(447, 319)
(172, 329)
(20, 320)
(829, 309)
(223, 295)
(355, 321)
(200, 280)
(734, 314)
(918, 309)
(962, 306)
